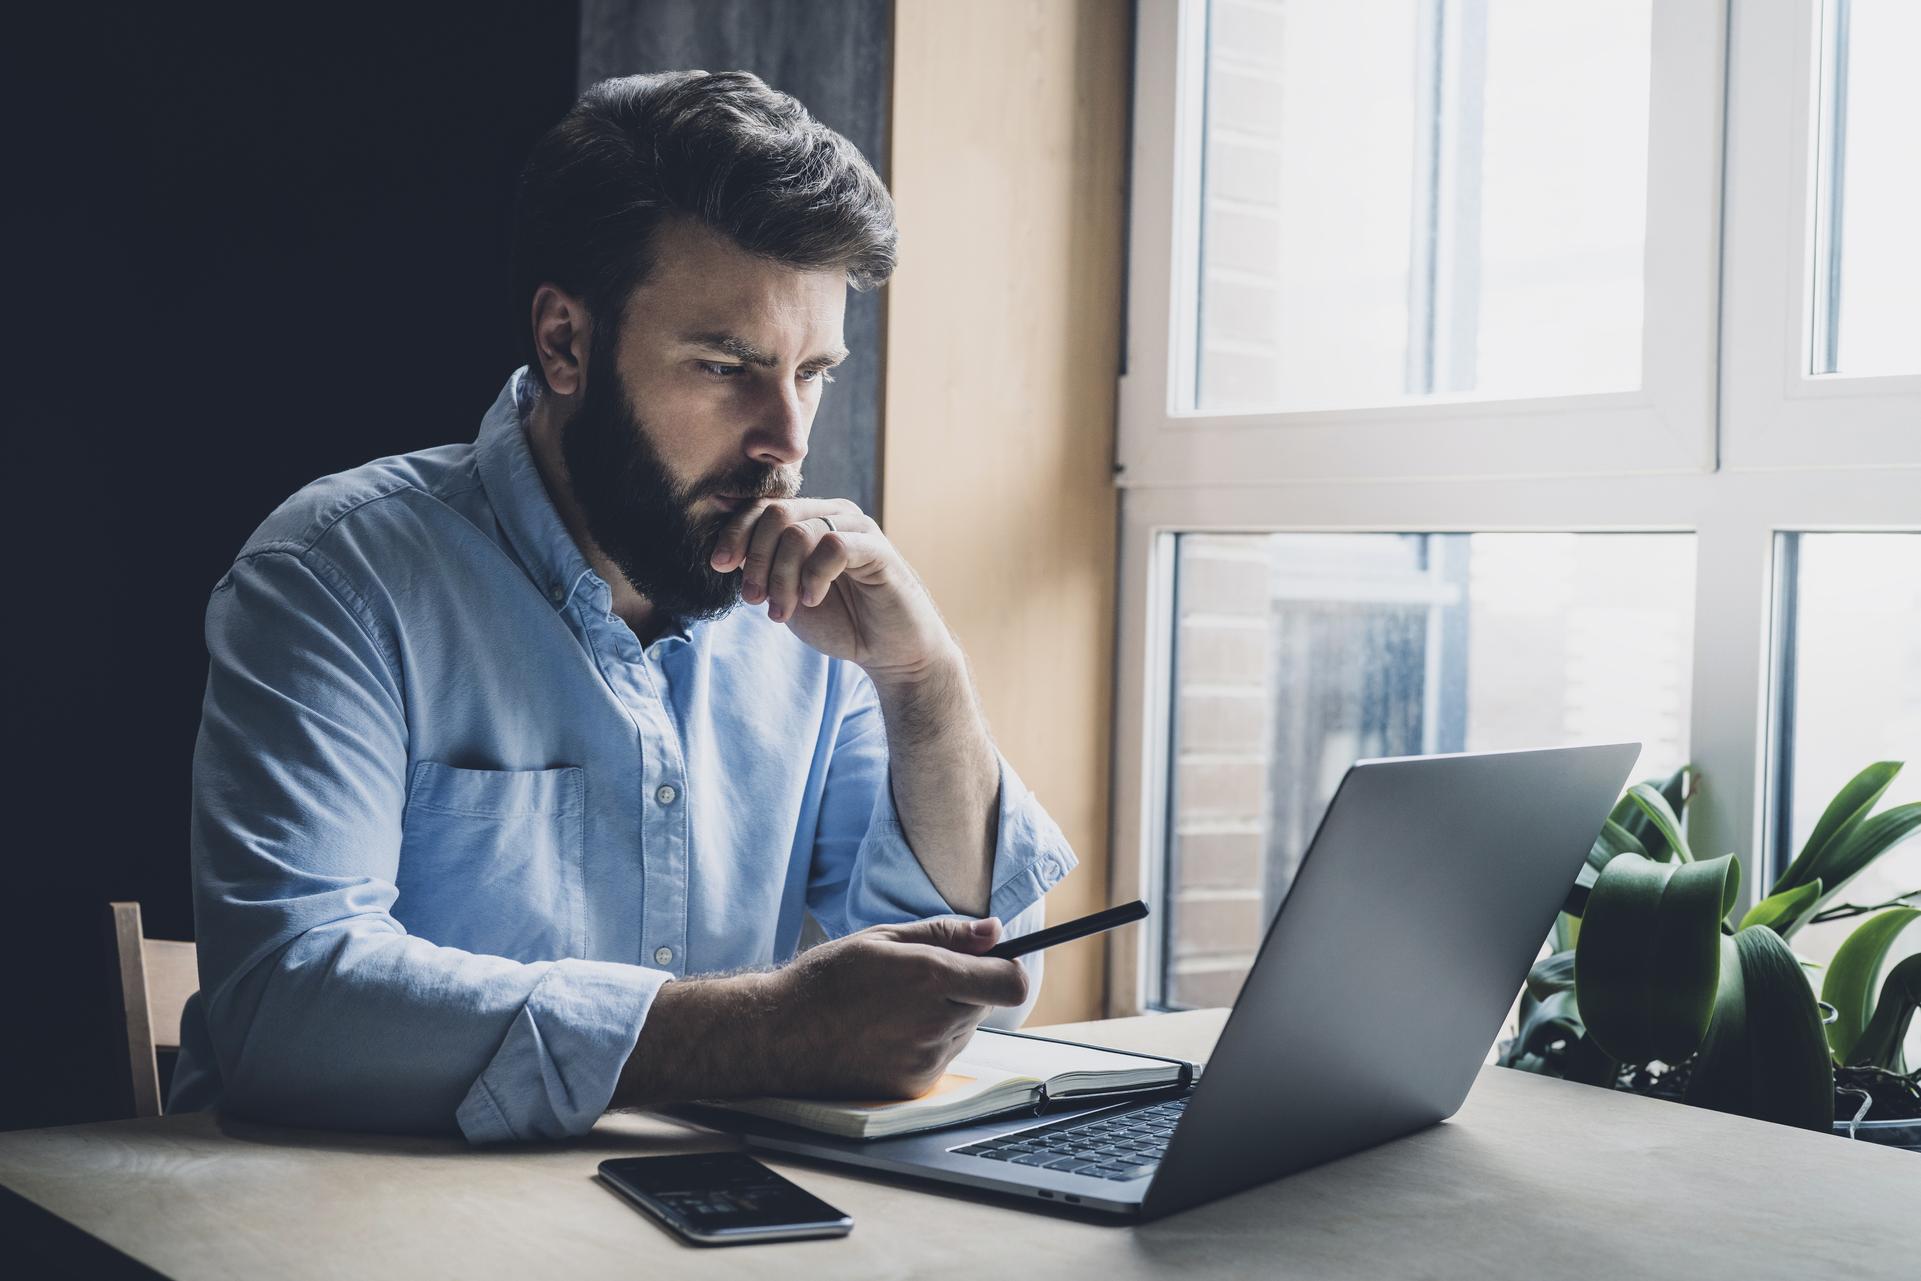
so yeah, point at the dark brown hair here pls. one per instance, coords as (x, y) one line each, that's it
(722, 148)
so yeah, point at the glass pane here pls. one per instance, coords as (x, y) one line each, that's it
(1297, 653)
(1867, 253)
(1406, 198)
(1850, 690)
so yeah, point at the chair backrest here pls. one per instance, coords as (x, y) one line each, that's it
(156, 978)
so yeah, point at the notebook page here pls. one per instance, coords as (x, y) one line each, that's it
(956, 1096)
(990, 1051)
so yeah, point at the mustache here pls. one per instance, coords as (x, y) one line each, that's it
(755, 482)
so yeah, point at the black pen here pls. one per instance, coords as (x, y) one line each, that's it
(1068, 931)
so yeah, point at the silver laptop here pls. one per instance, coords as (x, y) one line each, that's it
(1383, 980)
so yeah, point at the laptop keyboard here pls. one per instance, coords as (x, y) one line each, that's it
(1114, 1145)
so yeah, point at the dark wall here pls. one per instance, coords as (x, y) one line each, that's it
(836, 56)
(242, 251)
(247, 246)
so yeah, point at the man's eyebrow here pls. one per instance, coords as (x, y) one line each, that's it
(741, 349)
(737, 347)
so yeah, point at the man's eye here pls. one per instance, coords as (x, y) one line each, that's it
(720, 370)
(816, 376)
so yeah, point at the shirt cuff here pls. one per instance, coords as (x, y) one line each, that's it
(555, 1072)
(1031, 856)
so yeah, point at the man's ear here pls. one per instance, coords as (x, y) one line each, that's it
(562, 332)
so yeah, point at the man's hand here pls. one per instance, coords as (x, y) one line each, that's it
(880, 1014)
(875, 1015)
(846, 591)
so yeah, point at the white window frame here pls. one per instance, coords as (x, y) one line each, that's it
(1786, 416)
(1665, 462)
(1667, 424)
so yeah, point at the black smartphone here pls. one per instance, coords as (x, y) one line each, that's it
(723, 1198)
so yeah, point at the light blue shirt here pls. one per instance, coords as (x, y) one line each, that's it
(453, 826)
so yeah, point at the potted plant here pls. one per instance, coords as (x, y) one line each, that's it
(1651, 988)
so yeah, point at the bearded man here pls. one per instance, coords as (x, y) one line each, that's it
(523, 762)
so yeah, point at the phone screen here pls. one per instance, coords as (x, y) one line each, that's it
(718, 1196)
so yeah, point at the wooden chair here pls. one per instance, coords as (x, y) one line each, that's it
(156, 978)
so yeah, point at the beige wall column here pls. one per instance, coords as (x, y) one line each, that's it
(1003, 340)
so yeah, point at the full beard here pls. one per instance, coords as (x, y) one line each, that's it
(641, 517)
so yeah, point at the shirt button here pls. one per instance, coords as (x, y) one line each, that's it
(558, 595)
(662, 955)
(665, 795)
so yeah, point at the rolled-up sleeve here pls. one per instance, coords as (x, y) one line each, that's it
(865, 873)
(319, 1007)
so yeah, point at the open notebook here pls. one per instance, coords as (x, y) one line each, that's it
(997, 1072)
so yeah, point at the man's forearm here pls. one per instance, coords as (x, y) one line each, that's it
(707, 1038)
(946, 780)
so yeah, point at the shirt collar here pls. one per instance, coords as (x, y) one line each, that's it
(519, 496)
(523, 506)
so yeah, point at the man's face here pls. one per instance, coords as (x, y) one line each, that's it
(703, 404)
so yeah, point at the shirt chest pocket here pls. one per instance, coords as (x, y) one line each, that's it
(490, 860)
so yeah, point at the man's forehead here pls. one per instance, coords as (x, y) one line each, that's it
(703, 264)
(703, 289)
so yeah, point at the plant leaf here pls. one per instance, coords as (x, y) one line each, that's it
(1664, 819)
(1851, 852)
(1542, 1023)
(1765, 1055)
(1576, 901)
(1649, 957)
(1881, 1044)
(1849, 985)
(1634, 820)
(1551, 974)
(1675, 788)
(1614, 839)
(1589, 1064)
(1784, 912)
(1567, 930)
(1848, 807)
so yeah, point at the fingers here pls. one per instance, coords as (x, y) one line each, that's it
(796, 546)
(828, 561)
(834, 556)
(955, 933)
(984, 980)
(962, 975)
(757, 561)
(806, 560)
(735, 541)
(731, 547)
(790, 563)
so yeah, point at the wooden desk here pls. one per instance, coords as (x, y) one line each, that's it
(1534, 1178)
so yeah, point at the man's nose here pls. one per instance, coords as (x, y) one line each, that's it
(779, 437)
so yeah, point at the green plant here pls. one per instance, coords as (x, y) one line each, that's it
(1650, 987)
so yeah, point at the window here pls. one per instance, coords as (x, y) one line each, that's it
(1296, 654)
(1820, 349)
(1848, 691)
(1359, 227)
(1402, 199)
(1867, 260)
(1413, 455)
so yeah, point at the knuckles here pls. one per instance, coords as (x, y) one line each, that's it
(932, 973)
